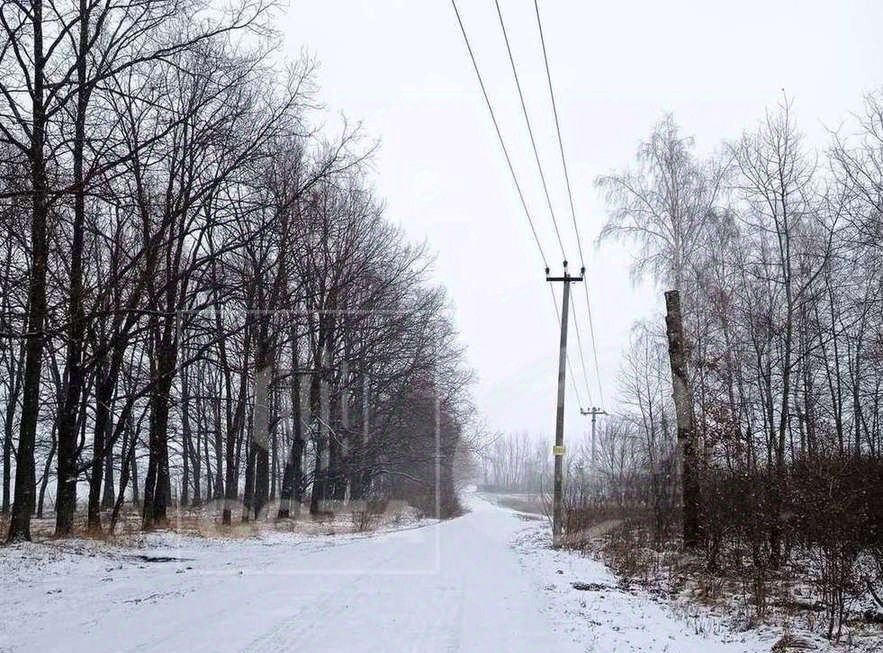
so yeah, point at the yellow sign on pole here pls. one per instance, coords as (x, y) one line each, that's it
(558, 450)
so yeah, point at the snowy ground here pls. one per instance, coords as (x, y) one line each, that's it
(483, 582)
(585, 601)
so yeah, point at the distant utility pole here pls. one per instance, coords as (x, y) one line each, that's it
(594, 411)
(558, 450)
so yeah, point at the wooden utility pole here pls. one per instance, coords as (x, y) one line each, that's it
(558, 450)
(594, 411)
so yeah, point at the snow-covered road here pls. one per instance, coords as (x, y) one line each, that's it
(454, 586)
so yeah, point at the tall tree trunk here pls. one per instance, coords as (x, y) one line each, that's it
(133, 463)
(683, 399)
(127, 465)
(233, 423)
(261, 427)
(293, 473)
(319, 405)
(50, 457)
(157, 485)
(248, 494)
(218, 488)
(197, 468)
(66, 483)
(186, 442)
(100, 442)
(108, 495)
(8, 428)
(14, 367)
(274, 445)
(360, 476)
(23, 504)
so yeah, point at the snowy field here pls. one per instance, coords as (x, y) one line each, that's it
(484, 582)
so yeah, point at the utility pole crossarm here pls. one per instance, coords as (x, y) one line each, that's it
(594, 410)
(566, 277)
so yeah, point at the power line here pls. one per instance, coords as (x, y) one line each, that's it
(533, 142)
(544, 183)
(582, 358)
(569, 364)
(594, 345)
(514, 176)
(490, 107)
(558, 131)
(570, 198)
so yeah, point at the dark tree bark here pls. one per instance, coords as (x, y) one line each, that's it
(261, 420)
(292, 474)
(13, 387)
(8, 428)
(108, 495)
(132, 465)
(248, 494)
(157, 485)
(101, 443)
(683, 399)
(25, 490)
(186, 438)
(47, 468)
(234, 421)
(66, 484)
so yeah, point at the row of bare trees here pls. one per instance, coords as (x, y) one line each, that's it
(762, 453)
(775, 251)
(201, 298)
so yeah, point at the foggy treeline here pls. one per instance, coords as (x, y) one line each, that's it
(515, 463)
(201, 297)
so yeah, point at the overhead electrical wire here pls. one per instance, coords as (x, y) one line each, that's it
(570, 198)
(566, 357)
(582, 356)
(594, 345)
(512, 172)
(490, 107)
(579, 243)
(533, 141)
(545, 184)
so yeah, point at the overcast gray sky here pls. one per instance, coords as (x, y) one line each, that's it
(401, 68)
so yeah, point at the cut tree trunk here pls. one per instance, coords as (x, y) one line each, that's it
(683, 399)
